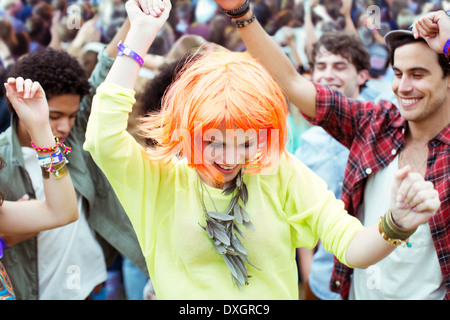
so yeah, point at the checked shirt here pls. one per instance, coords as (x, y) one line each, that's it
(374, 133)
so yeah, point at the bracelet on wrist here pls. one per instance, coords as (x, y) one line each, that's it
(59, 170)
(391, 232)
(243, 23)
(55, 162)
(125, 51)
(2, 246)
(51, 149)
(53, 158)
(446, 49)
(239, 12)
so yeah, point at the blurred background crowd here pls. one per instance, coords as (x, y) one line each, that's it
(82, 27)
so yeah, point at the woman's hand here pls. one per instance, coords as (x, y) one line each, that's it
(413, 200)
(148, 13)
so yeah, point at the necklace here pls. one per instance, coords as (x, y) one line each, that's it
(220, 228)
(416, 169)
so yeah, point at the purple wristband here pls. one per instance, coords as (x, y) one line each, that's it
(124, 50)
(2, 245)
(446, 48)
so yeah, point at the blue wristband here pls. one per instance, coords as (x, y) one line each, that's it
(124, 50)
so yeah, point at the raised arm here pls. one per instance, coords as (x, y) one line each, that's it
(146, 19)
(60, 205)
(300, 91)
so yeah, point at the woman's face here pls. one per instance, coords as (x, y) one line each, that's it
(226, 151)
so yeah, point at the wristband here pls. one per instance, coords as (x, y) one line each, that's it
(446, 49)
(243, 23)
(239, 12)
(239, 15)
(54, 158)
(124, 50)
(2, 246)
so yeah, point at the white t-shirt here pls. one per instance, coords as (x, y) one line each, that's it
(408, 272)
(70, 260)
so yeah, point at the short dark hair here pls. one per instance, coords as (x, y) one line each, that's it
(57, 72)
(406, 39)
(346, 45)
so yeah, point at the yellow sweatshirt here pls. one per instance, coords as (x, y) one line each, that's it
(290, 207)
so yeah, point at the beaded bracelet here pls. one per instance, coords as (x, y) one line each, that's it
(239, 12)
(243, 23)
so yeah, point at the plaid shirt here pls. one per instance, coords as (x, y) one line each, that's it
(374, 133)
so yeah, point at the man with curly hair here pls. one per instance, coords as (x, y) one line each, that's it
(69, 262)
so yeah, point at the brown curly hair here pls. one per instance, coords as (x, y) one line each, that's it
(57, 71)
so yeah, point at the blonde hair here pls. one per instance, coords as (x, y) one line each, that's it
(228, 89)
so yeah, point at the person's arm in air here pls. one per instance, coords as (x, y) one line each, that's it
(300, 91)
(60, 205)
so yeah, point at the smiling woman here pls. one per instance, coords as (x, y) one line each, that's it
(228, 150)
(248, 104)
(218, 195)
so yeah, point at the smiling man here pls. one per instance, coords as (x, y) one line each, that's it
(342, 62)
(383, 138)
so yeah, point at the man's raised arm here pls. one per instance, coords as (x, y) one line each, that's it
(300, 91)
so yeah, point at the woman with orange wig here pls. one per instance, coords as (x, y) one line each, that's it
(218, 195)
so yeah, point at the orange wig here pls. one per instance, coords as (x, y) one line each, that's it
(228, 89)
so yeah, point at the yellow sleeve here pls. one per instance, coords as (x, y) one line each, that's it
(135, 179)
(314, 213)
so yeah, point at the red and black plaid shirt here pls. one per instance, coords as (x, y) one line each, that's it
(374, 133)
